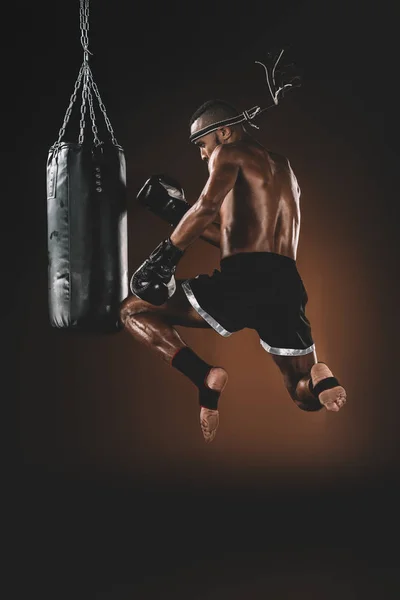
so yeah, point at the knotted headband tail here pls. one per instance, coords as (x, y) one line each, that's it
(248, 115)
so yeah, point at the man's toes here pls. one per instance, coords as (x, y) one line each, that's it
(333, 399)
(210, 437)
(209, 420)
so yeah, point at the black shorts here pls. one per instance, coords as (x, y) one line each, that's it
(255, 290)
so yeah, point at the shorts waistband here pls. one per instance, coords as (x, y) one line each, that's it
(256, 262)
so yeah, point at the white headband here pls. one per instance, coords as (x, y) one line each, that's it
(246, 115)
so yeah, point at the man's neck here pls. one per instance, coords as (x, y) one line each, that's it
(239, 136)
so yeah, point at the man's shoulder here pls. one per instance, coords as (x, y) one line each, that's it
(224, 154)
(229, 152)
(242, 150)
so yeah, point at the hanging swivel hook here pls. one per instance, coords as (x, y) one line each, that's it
(86, 53)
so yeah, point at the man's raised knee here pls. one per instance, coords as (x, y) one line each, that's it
(129, 307)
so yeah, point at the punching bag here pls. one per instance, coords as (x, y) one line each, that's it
(86, 217)
(87, 236)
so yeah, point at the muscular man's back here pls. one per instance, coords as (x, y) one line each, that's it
(261, 213)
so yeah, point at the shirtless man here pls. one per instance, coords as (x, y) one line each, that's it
(254, 195)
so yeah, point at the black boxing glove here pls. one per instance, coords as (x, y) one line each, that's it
(154, 281)
(164, 197)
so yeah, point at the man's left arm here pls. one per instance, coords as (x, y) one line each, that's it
(222, 177)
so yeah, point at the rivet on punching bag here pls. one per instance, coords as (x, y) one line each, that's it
(86, 218)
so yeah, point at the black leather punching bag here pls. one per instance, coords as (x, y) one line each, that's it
(87, 236)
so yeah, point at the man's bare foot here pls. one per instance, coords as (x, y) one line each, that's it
(333, 399)
(209, 419)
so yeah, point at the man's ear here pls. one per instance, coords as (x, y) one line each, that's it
(224, 133)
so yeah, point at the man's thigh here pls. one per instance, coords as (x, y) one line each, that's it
(176, 311)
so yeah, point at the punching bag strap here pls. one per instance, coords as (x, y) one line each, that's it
(89, 88)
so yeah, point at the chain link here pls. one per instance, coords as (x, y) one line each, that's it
(85, 78)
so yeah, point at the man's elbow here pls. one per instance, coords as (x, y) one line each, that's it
(208, 207)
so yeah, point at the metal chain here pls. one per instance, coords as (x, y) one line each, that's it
(103, 109)
(97, 142)
(71, 104)
(84, 21)
(85, 76)
(82, 122)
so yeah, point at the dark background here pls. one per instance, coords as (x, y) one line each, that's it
(114, 493)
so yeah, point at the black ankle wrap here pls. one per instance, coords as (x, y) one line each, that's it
(191, 365)
(324, 384)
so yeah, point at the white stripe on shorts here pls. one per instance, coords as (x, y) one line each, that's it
(286, 351)
(210, 320)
